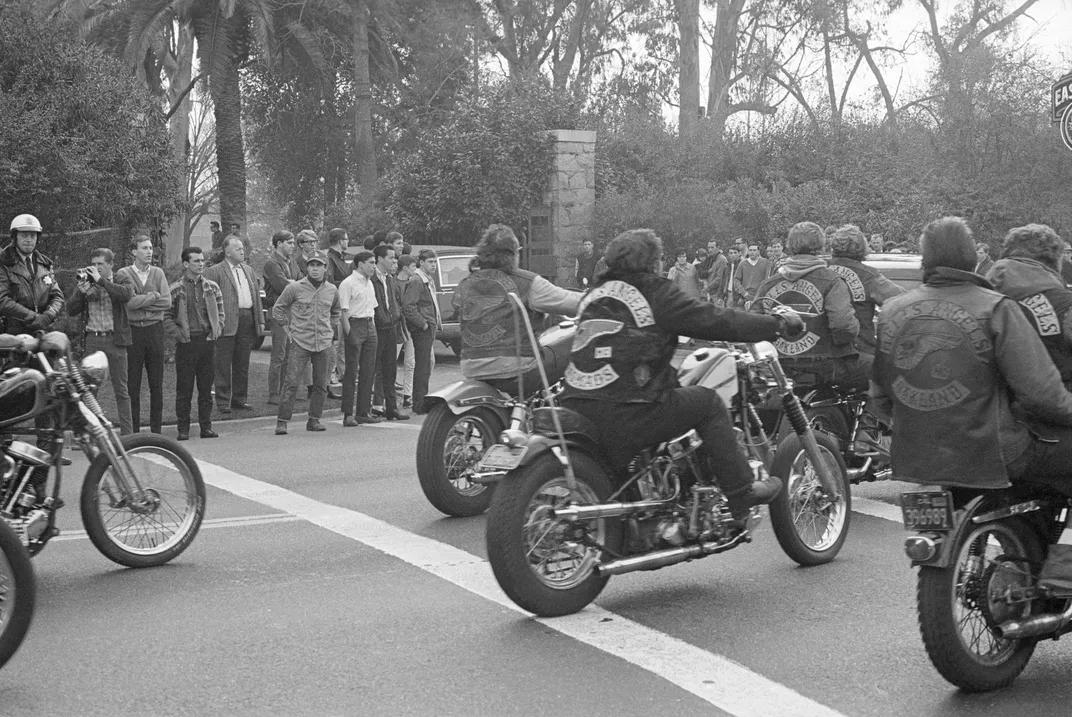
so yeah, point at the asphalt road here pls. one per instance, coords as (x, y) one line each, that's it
(324, 584)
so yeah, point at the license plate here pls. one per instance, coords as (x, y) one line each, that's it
(927, 510)
(502, 458)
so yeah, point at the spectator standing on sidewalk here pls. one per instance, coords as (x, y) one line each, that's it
(279, 270)
(338, 270)
(102, 304)
(195, 320)
(307, 245)
(407, 266)
(242, 324)
(310, 331)
(145, 311)
(421, 309)
(388, 329)
(357, 297)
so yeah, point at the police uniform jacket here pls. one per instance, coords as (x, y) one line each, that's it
(22, 295)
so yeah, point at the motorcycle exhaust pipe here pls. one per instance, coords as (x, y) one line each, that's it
(1034, 626)
(857, 474)
(606, 510)
(672, 556)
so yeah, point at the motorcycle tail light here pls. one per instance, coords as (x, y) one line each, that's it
(920, 548)
(514, 438)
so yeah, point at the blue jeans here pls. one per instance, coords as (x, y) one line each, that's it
(298, 360)
(117, 371)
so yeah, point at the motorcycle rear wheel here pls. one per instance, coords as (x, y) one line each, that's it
(831, 421)
(810, 527)
(534, 557)
(145, 537)
(952, 622)
(447, 446)
(18, 591)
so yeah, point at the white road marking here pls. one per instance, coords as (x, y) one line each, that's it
(878, 509)
(723, 683)
(237, 522)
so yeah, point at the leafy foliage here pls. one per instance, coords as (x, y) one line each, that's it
(82, 144)
(490, 163)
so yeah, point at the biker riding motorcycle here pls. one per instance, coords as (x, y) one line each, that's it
(827, 349)
(953, 356)
(868, 288)
(490, 334)
(620, 375)
(1029, 273)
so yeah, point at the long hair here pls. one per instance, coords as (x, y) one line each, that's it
(1034, 241)
(497, 249)
(632, 251)
(850, 242)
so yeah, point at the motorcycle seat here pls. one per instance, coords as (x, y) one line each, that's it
(572, 422)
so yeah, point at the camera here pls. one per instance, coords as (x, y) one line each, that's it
(83, 275)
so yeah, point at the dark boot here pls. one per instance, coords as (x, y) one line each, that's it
(763, 490)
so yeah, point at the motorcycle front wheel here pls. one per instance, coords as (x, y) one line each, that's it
(449, 446)
(810, 526)
(545, 565)
(159, 528)
(957, 613)
(17, 592)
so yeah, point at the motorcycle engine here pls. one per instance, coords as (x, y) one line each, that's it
(21, 500)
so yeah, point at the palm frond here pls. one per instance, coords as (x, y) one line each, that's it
(310, 45)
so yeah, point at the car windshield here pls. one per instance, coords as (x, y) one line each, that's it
(452, 269)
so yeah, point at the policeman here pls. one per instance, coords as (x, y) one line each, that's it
(1029, 273)
(486, 314)
(953, 355)
(804, 282)
(620, 376)
(30, 297)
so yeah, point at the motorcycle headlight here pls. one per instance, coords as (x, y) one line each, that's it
(95, 368)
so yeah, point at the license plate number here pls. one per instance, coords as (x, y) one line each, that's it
(502, 458)
(927, 510)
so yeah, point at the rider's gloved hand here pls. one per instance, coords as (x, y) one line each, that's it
(792, 326)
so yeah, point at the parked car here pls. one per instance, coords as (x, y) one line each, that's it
(905, 270)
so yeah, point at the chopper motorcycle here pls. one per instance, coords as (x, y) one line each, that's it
(559, 526)
(842, 412)
(142, 498)
(17, 592)
(466, 418)
(979, 552)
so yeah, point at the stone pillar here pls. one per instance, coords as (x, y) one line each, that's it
(572, 198)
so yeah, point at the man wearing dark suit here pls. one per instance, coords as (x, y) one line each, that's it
(388, 328)
(279, 270)
(243, 322)
(421, 309)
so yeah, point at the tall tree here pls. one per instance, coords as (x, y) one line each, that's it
(688, 25)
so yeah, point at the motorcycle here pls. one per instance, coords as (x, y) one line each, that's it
(143, 497)
(466, 418)
(559, 526)
(17, 592)
(842, 413)
(981, 608)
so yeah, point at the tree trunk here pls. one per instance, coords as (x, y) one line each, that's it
(179, 230)
(227, 110)
(723, 60)
(688, 23)
(365, 153)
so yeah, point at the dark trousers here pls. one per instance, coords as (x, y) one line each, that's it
(422, 365)
(627, 428)
(362, 345)
(530, 383)
(846, 371)
(1046, 460)
(387, 369)
(298, 360)
(232, 361)
(194, 364)
(146, 350)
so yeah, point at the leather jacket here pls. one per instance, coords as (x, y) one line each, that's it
(627, 332)
(486, 313)
(952, 357)
(24, 297)
(868, 289)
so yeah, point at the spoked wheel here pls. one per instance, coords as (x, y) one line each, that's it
(810, 525)
(17, 592)
(448, 448)
(960, 606)
(548, 565)
(151, 531)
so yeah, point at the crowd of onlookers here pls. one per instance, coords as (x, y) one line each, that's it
(336, 321)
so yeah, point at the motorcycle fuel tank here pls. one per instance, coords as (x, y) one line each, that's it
(21, 391)
(711, 367)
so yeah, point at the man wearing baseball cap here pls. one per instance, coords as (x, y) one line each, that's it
(310, 333)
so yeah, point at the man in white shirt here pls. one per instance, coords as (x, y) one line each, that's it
(357, 296)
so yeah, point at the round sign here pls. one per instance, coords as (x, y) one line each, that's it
(1066, 127)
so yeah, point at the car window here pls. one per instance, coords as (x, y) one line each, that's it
(452, 269)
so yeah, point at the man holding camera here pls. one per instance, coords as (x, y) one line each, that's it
(101, 298)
